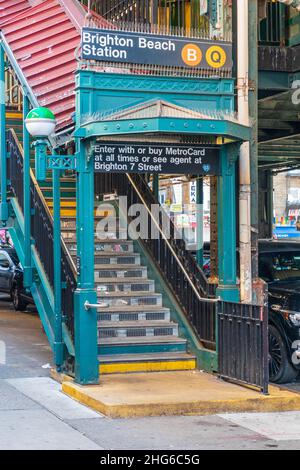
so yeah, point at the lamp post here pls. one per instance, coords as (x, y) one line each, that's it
(40, 124)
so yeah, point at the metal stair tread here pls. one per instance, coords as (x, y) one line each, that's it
(120, 267)
(117, 241)
(133, 308)
(124, 280)
(101, 253)
(128, 294)
(157, 357)
(141, 340)
(137, 324)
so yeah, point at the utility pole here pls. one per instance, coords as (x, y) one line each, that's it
(244, 156)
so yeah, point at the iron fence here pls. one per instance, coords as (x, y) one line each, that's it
(243, 343)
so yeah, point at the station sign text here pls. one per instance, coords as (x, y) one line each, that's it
(138, 48)
(121, 157)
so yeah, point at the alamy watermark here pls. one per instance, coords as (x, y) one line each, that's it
(296, 93)
(136, 221)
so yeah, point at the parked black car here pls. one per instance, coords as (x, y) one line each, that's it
(279, 266)
(11, 277)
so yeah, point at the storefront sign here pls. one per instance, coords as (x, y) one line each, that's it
(121, 157)
(138, 48)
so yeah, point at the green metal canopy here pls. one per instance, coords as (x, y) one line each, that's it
(159, 116)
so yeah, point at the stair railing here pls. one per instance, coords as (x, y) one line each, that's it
(42, 229)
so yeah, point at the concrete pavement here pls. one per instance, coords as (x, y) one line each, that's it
(34, 414)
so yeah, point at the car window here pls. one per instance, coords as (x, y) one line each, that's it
(4, 261)
(279, 266)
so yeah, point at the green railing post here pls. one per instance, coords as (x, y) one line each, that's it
(199, 215)
(27, 198)
(86, 348)
(58, 341)
(228, 289)
(3, 204)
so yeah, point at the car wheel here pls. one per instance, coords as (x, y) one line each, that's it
(280, 369)
(18, 302)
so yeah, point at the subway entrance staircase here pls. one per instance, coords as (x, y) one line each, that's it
(136, 331)
(152, 316)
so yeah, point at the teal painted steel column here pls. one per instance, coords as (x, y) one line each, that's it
(86, 348)
(58, 341)
(228, 289)
(3, 203)
(27, 205)
(199, 230)
(155, 186)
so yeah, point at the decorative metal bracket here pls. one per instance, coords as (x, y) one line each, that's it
(61, 162)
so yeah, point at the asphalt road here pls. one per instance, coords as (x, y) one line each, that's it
(34, 414)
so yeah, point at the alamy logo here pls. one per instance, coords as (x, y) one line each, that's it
(2, 353)
(296, 94)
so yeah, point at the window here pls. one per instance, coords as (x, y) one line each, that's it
(294, 195)
(282, 266)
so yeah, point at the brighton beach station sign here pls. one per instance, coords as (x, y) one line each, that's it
(124, 157)
(138, 48)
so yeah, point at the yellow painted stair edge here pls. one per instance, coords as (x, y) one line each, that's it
(146, 366)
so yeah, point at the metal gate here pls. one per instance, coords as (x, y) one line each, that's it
(243, 344)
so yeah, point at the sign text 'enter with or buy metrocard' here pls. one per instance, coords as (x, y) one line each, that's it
(124, 157)
(138, 48)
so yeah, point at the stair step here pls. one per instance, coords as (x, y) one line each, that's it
(131, 298)
(141, 345)
(142, 329)
(116, 259)
(130, 285)
(151, 362)
(119, 271)
(162, 314)
(104, 245)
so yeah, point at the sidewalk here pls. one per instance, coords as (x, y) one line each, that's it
(35, 414)
(176, 393)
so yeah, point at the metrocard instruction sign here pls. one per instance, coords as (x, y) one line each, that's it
(138, 48)
(124, 157)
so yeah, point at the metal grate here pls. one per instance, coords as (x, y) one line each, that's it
(113, 333)
(163, 332)
(136, 332)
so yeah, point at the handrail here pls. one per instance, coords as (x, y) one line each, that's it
(202, 299)
(42, 198)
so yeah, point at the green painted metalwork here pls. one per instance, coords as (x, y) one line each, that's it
(103, 93)
(58, 344)
(228, 289)
(86, 353)
(40, 289)
(61, 162)
(27, 203)
(41, 146)
(207, 127)
(3, 161)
